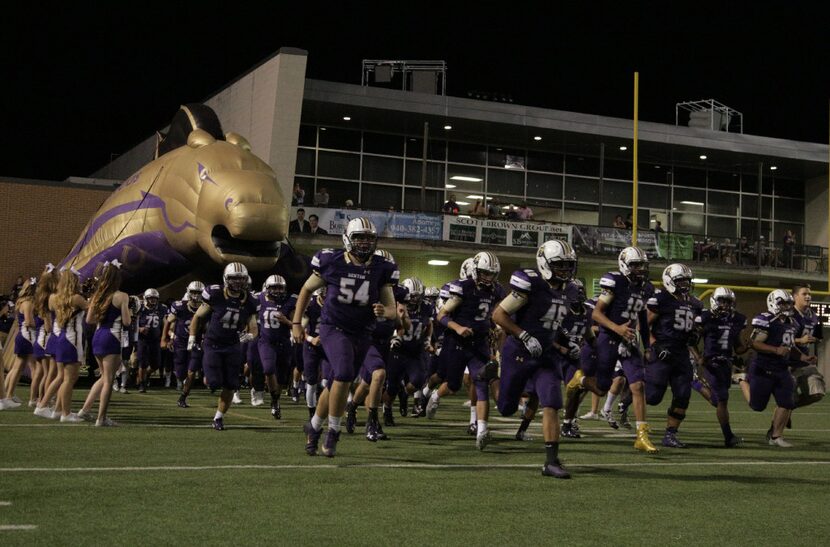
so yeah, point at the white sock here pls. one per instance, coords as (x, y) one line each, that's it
(639, 423)
(418, 395)
(334, 422)
(482, 427)
(566, 421)
(349, 399)
(425, 391)
(609, 402)
(385, 406)
(124, 376)
(311, 395)
(296, 384)
(473, 414)
(316, 423)
(219, 414)
(434, 397)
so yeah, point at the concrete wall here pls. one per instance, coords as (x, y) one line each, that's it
(816, 211)
(39, 223)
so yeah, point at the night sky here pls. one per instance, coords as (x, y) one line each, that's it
(83, 83)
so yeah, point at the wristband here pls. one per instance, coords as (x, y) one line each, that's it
(295, 323)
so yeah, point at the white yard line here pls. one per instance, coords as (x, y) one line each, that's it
(177, 468)
(11, 527)
(5, 503)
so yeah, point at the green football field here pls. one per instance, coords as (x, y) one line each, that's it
(165, 477)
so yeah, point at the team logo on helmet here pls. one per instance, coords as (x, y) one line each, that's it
(360, 238)
(556, 261)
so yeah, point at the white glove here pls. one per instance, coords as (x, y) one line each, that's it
(574, 350)
(623, 350)
(191, 342)
(395, 342)
(245, 337)
(532, 344)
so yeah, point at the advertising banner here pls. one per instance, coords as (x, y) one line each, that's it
(483, 231)
(388, 223)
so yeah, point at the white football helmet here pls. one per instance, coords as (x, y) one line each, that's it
(486, 268)
(360, 238)
(780, 302)
(151, 298)
(194, 291)
(385, 254)
(467, 270)
(235, 276)
(416, 290)
(722, 301)
(633, 264)
(556, 261)
(677, 279)
(431, 294)
(275, 286)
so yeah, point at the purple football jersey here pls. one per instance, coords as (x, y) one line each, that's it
(312, 312)
(781, 331)
(152, 321)
(352, 288)
(629, 303)
(477, 305)
(413, 339)
(229, 315)
(269, 311)
(546, 307)
(184, 315)
(675, 319)
(721, 333)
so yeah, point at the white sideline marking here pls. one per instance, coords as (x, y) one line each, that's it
(10, 527)
(391, 466)
(5, 503)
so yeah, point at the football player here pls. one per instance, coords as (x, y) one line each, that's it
(185, 362)
(721, 328)
(227, 309)
(150, 320)
(359, 290)
(275, 308)
(531, 315)
(467, 318)
(773, 339)
(621, 315)
(672, 315)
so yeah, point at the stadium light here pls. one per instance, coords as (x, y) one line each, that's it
(466, 179)
(473, 196)
(703, 156)
(697, 203)
(434, 262)
(462, 202)
(447, 127)
(773, 168)
(450, 186)
(347, 118)
(623, 148)
(699, 280)
(537, 138)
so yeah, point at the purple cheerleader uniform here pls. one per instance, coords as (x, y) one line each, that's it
(107, 337)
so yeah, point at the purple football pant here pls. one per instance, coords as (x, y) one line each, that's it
(345, 352)
(276, 359)
(222, 366)
(375, 360)
(718, 374)
(458, 355)
(607, 357)
(413, 368)
(764, 382)
(312, 362)
(660, 374)
(181, 361)
(569, 368)
(148, 353)
(520, 372)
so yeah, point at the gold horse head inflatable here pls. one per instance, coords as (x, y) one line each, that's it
(209, 200)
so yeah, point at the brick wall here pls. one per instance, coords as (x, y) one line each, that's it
(39, 223)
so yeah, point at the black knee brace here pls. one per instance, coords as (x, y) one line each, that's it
(678, 403)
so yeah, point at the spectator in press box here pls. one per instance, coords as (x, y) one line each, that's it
(321, 198)
(524, 212)
(450, 207)
(297, 195)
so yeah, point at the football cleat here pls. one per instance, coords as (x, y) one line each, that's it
(371, 431)
(419, 411)
(769, 433)
(351, 417)
(523, 436)
(312, 439)
(388, 418)
(219, 424)
(330, 444)
(472, 429)
(643, 443)
(589, 416)
(779, 441)
(237, 400)
(403, 402)
(555, 470)
(142, 387)
(670, 440)
(608, 417)
(123, 390)
(569, 432)
(733, 441)
(183, 402)
(432, 408)
(276, 411)
(381, 435)
(482, 440)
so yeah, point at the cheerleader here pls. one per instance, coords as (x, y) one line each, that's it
(68, 305)
(24, 341)
(109, 308)
(44, 364)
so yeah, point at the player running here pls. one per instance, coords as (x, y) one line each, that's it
(275, 309)
(185, 361)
